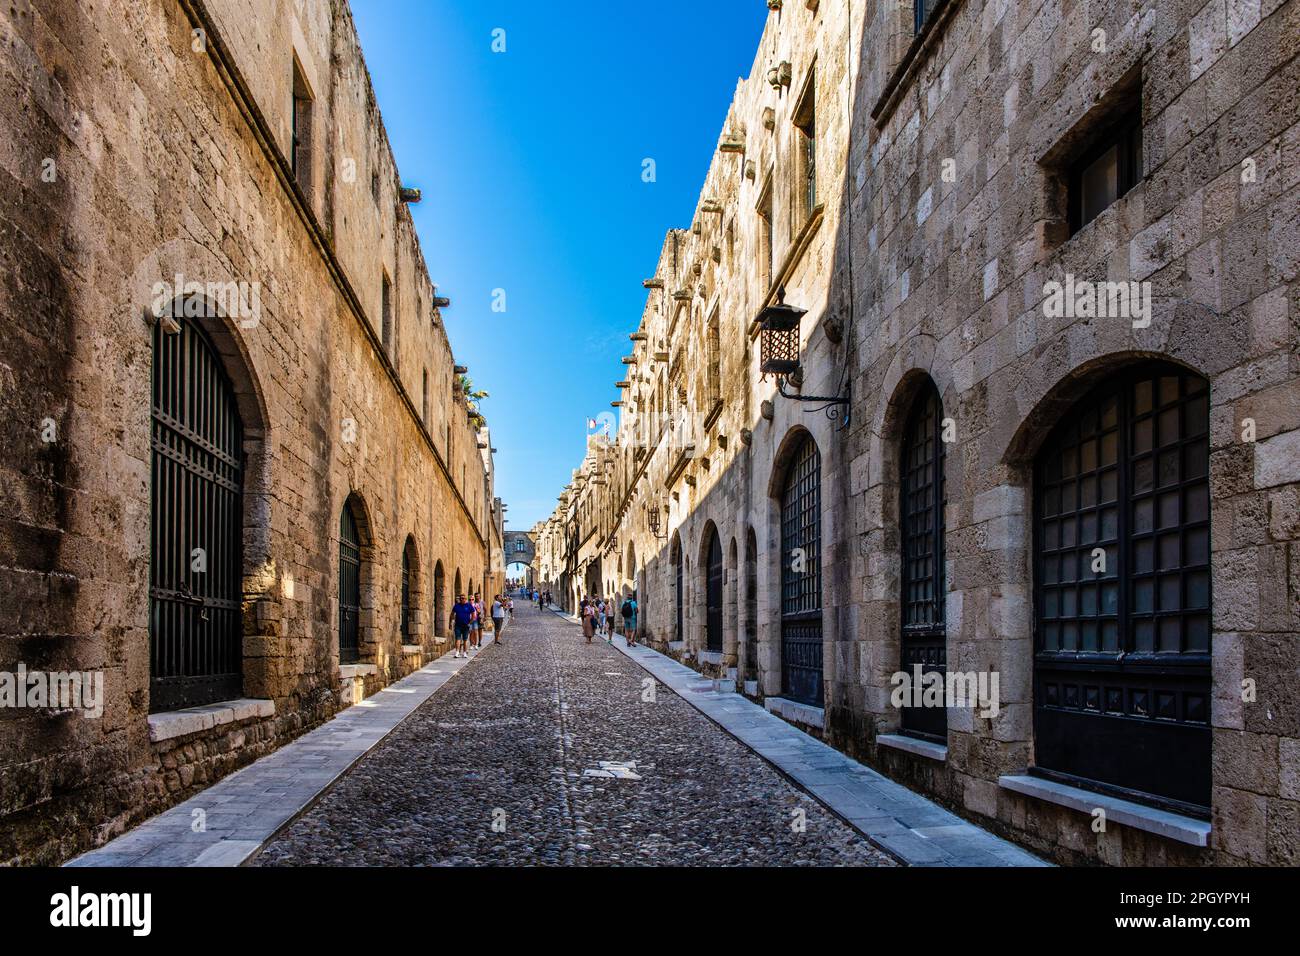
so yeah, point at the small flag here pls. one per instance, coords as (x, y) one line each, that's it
(591, 423)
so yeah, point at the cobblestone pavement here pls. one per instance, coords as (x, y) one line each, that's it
(508, 741)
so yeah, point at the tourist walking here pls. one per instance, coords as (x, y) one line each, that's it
(628, 611)
(476, 625)
(498, 618)
(588, 613)
(602, 617)
(462, 613)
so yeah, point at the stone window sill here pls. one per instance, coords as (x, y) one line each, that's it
(911, 745)
(411, 649)
(796, 713)
(348, 671)
(709, 657)
(1173, 826)
(170, 724)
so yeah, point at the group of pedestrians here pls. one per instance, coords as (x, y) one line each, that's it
(598, 618)
(469, 616)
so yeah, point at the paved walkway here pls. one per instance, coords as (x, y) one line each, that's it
(555, 752)
(241, 812)
(551, 751)
(913, 828)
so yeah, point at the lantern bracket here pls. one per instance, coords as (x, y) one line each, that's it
(829, 404)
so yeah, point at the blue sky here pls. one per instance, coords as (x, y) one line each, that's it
(530, 163)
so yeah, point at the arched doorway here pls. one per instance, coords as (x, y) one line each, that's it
(349, 584)
(801, 578)
(196, 553)
(923, 646)
(678, 597)
(713, 590)
(751, 606)
(1122, 602)
(440, 608)
(410, 566)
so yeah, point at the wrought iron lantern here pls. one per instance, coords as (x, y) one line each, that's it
(655, 519)
(779, 326)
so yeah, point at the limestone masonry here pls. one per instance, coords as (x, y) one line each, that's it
(1048, 253)
(240, 476)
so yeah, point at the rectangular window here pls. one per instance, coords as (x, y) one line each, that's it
(1107, 170)
(424, 407)
(804, 187)
(766, 250)
(922, 10)
(386, 315)
(713, 381)
(300, 153)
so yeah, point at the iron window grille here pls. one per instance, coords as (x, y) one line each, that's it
(196, 554)
(713, 591)
(801, 578)
(349, 587)
(924, 635)
(406, 597)
(1123, 591)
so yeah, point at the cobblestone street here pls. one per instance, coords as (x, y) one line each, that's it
(509, 740)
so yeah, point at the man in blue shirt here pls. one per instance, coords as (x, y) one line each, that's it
(463, 614)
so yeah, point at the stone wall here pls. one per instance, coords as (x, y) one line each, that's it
(157, 142)
(942, 176)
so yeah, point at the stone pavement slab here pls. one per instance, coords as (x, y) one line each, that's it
(243, 811)
(916, 830)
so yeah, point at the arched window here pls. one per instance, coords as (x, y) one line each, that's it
(1122, 590)
(801, 576)
(923, 644)
(349, 585)
(408, 570)
(440, 608)
(678, 597)
(751, 605)
(713, 591)
(196, 556)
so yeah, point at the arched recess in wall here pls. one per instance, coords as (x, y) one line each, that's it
(441, 607)
(796, 487)
(208, 465)
(631, 568)
(749, 655)
(410, 626)
(1118, 455)
(922, 591)
(711, 569)
(355, 580)
(731, 604)
(676, 586)
(460, 585)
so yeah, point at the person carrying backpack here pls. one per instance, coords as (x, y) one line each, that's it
(628, 610)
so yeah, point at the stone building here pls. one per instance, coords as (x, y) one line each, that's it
(239, 480)
(1047, 255)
